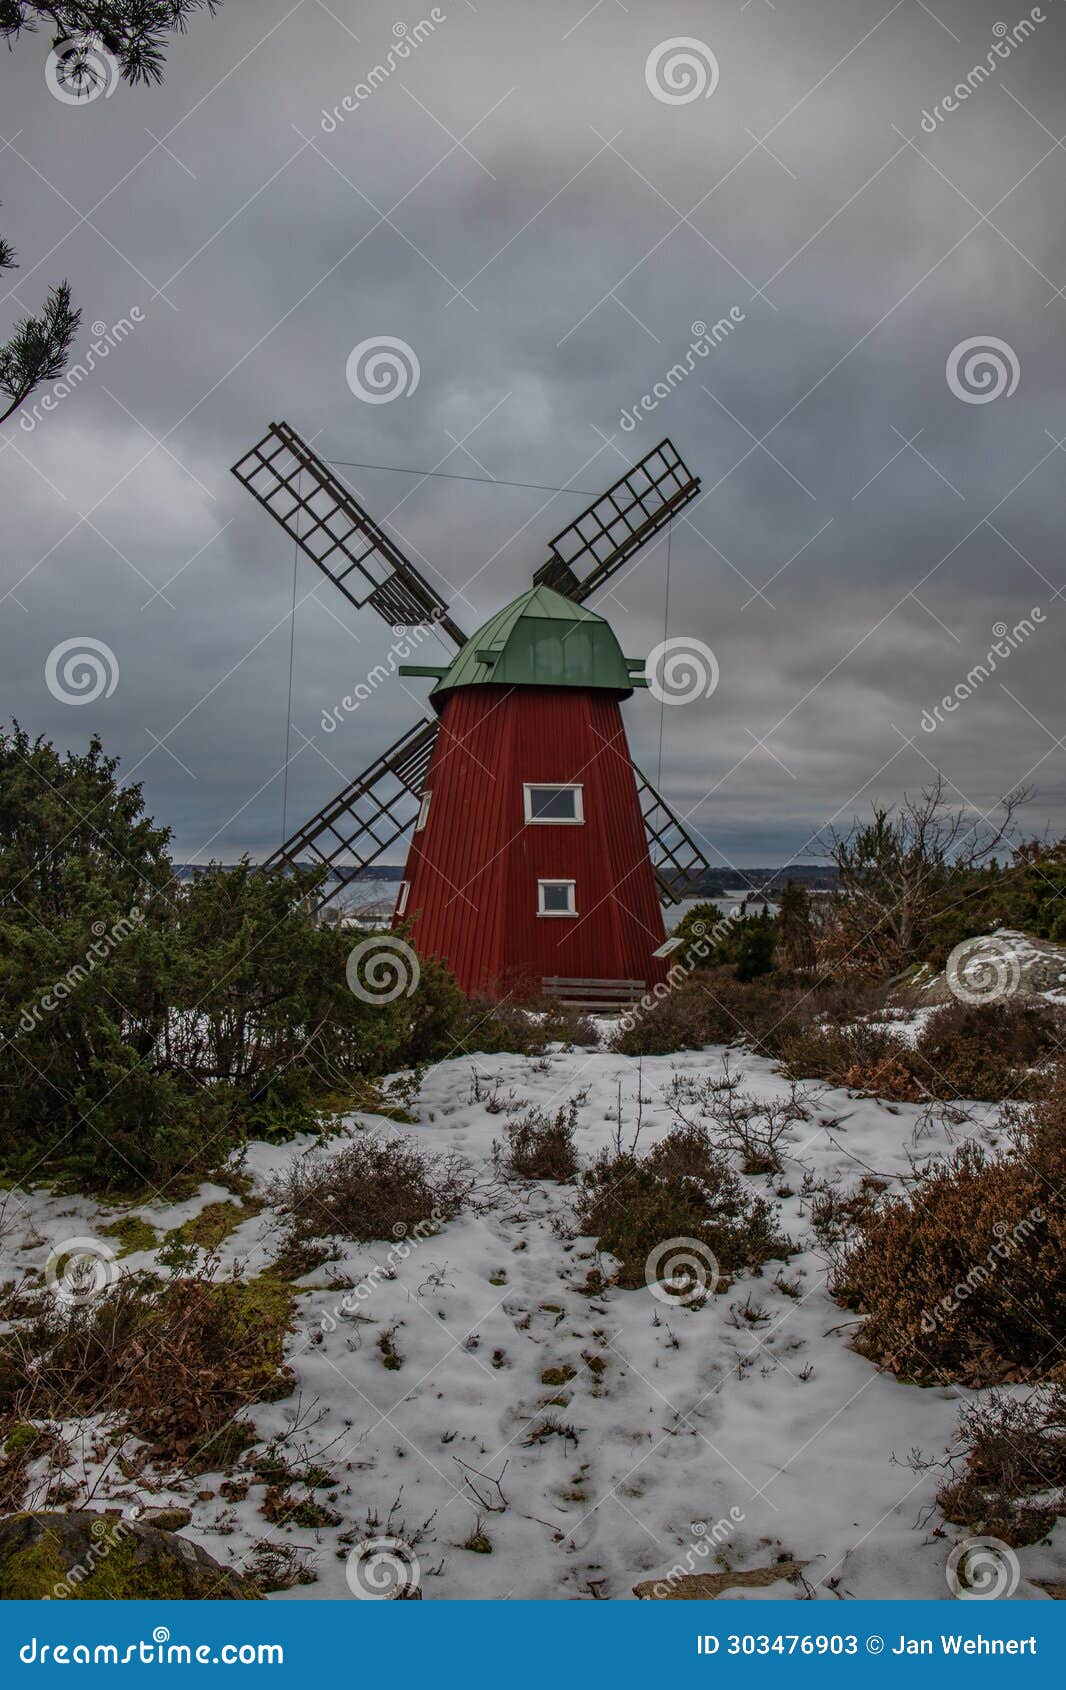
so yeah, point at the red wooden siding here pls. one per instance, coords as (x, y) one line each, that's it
(473, 869)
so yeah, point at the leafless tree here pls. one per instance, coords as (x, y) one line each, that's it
(896, 870)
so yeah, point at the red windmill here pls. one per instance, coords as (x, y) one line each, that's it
(540, 855)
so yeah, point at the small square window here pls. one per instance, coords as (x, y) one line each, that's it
(556, 897)
(423, 812)
(401, 902)
(554, 804)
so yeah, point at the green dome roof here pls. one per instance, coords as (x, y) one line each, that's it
(540, 640)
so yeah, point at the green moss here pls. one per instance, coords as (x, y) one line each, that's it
(111, 1568)
(362, 1097)
(179, 1188)
(283, 1509)
(390, 1355)
(133, 1233)
(558, 1375)
(212, 1225)
(33, 1572)
(20, 1438)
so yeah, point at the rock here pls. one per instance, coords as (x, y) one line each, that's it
(1054, 1588)
(997, 965)
(88, 1555)
(704, 1587)
(165, 1519)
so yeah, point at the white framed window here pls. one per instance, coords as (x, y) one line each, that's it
(554, 805)
(423, 812)
(401, 902)
(556, 897)
(667, 947)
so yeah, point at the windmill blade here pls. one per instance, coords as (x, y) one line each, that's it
(675, 856)
(369, 815)
(623, 519)
(328, 523)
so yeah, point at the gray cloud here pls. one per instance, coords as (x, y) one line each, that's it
(883, 570)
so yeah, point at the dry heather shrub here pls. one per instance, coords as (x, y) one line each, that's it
(681, 1190)
(713, 1007)
(861, 1057)
(173, 1361)
(752, 1128)
(984, 1051)
(835, 1215)
(1013, 1484)
(373, 1188)
(1042, 1138)
(686, 1153)
(525, 1026)
(962, 1280)
(541, 1146)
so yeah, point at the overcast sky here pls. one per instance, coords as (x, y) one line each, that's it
(519, 205)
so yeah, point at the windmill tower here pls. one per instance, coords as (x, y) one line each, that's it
(540, 855)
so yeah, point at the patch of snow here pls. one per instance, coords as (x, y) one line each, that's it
(688, 1416)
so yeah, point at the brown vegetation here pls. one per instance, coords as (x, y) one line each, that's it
(961, 1280)
(541, 1146)
(172, 1361)
(681, 1190)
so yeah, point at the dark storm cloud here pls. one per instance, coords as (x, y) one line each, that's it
(847, 571)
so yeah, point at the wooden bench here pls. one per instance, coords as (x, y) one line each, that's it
(599, 996)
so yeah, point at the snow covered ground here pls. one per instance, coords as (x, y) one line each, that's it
(703, 1438)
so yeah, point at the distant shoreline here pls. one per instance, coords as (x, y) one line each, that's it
(712, 885)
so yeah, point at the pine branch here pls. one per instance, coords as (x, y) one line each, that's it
(38, 348)
(133, 32)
